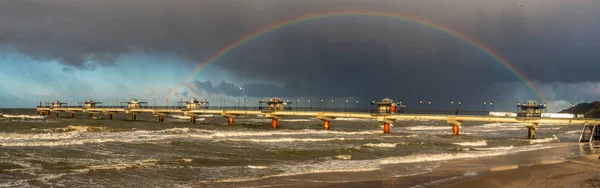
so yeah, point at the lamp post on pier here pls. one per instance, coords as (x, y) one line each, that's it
(309, 105)
(238, 103)
(297, 101)
(332, 104)
(451, 104)
(483, 108)
(345, 103)
(429, 106)
(245, 101)
(491, 105)
(357, 106)
(320, 104)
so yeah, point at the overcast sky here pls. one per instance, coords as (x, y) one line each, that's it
(122, 49)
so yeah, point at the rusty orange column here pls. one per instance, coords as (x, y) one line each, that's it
(110, 116)
(193, 119)
(455, 129)
(90, 116)
(326, 124)
(274, 123)
(72, 115)
(133, 117)
(56, 114)
(161, 118)
(230, 121)
(386, 128)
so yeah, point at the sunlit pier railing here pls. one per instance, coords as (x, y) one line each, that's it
(304, 109)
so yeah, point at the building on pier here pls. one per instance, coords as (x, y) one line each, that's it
(133, 103)
(89, 103)
(530, 108)
(57, 104)
(195, 104)
(388, 105)
(276, 103)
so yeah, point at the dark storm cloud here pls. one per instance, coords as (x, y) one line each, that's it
(369, 57)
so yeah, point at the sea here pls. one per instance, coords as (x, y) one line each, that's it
(49, 151)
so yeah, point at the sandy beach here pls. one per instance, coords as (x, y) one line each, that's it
(570, 166)
(581, 171)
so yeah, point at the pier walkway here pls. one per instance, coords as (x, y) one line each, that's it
(385, 116)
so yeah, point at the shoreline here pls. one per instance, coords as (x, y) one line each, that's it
(557, 167)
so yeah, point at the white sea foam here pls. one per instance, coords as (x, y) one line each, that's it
(544, 140)
(375, 164)
(256, 167)
(287, 139)
(422, 128)
(496, 148)
(345, 157)
(21, 116)
(79, 135)
(381, 145)
(353, 119)
(476, 143)
(501, 125)
(296, 120)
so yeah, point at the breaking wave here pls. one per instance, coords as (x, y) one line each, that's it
(20, 116)
(544, 140)
(381, 145)
(476, 143)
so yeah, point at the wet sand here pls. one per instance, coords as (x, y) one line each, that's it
(575, 165)
(581, 171)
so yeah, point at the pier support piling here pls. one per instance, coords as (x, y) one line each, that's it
(455, 130)
(193, 119)
(531, 130)
(110, 116)
(531, 133)
(133, 117)
(90, 116)
(274, 123)
(386, 127)
(72, 115)
(230, 121)
(326, 124)
(161, 118)
(56, 114)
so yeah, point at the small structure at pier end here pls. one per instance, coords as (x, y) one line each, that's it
(194, 103)
(89, 103)
(133, 104)
(531, 108)
(57, 104)
(388, 106)
(276, 103)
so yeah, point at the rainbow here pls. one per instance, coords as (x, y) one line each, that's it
(315, 16)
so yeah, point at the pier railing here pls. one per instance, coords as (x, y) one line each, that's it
(304, 109)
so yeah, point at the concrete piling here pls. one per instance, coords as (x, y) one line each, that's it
(455, 130)
(110, 116)
(326, 124)
(274, 123)
(386, 127)
(230, 121)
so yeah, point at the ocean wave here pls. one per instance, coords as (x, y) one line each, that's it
(343, 165)
(422, 128)
(344, 157)
(274, 140)
(544, 140)
(380, 145)
(476, 143)
(186, 117)
(256, 167)
(21, 116)
(79, 135)
(500, 125)
(496, 148)
(354, 119)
